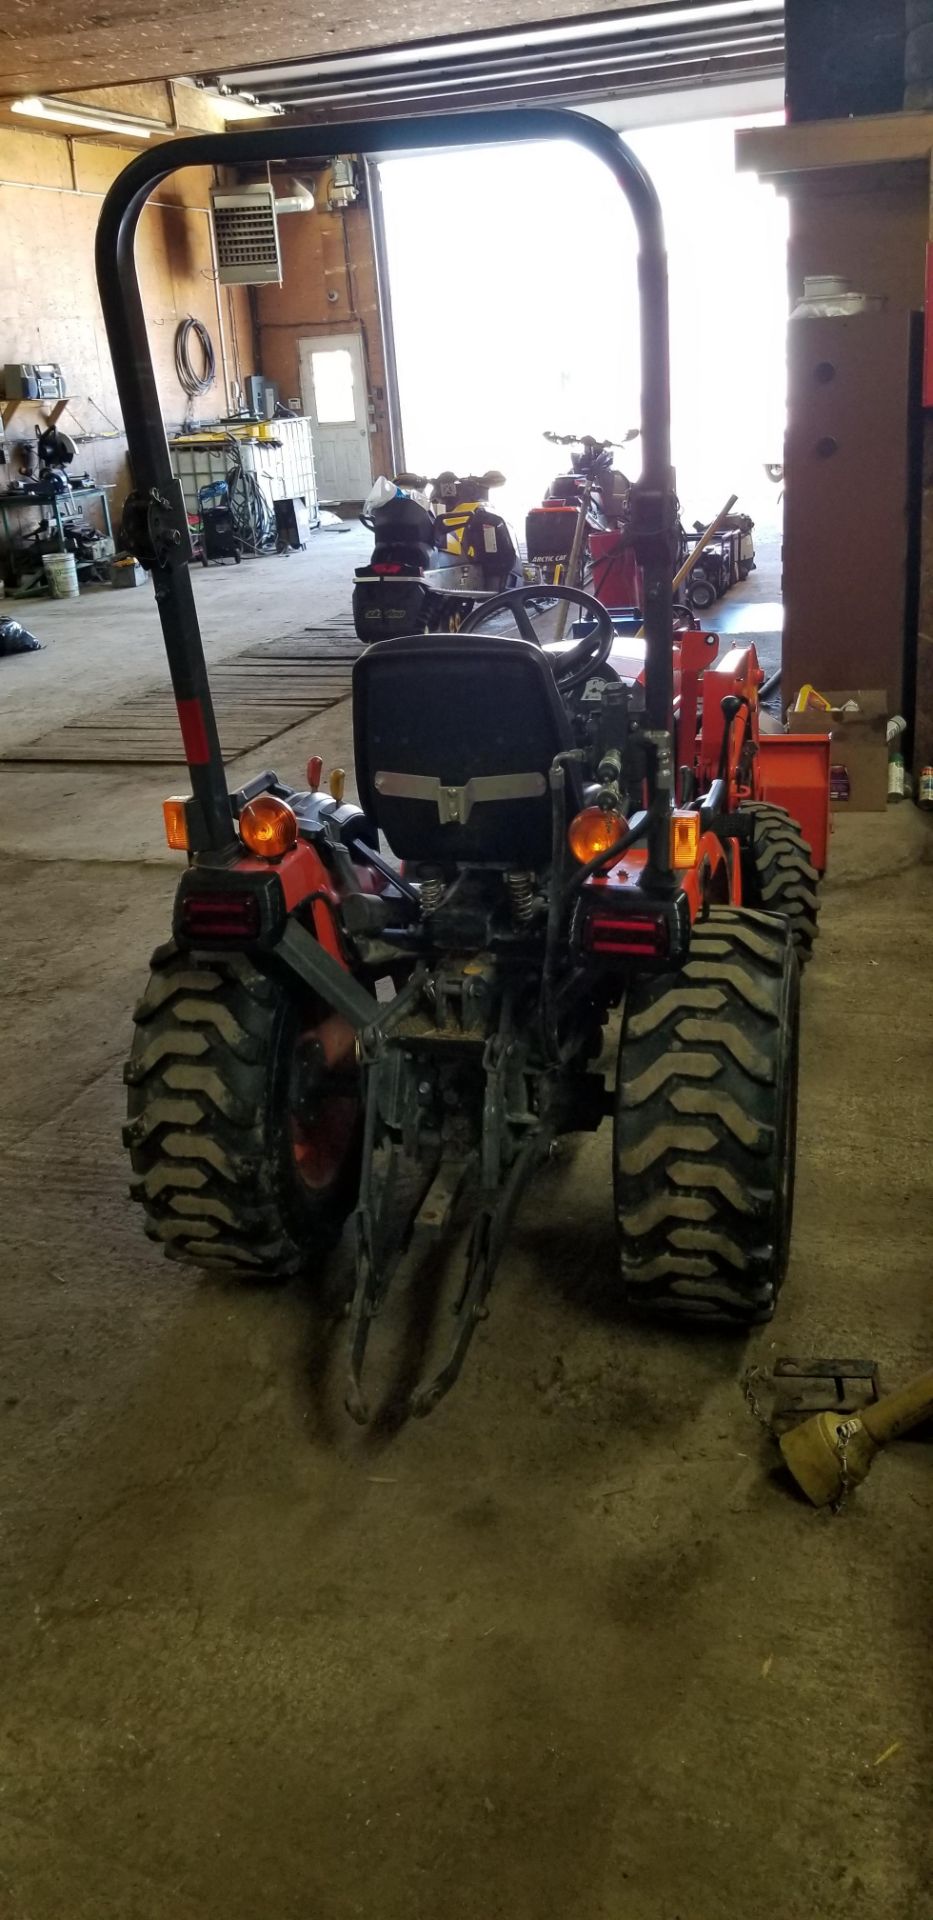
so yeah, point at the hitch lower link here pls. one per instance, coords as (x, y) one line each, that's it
(380, 1242)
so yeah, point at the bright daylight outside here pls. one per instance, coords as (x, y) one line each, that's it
(514, 303)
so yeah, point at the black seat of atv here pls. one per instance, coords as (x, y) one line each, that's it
(454, 739)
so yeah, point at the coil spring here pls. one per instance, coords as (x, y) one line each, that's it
(432, 893)
(521, 896)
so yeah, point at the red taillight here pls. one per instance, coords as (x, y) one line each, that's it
(219, 916)
(387, 566)
(645, 935)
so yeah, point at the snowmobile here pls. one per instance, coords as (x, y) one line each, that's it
(438, 547)
(577, 535)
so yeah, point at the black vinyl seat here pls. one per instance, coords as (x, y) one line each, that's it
(403, 522)
(396, 556)
(404, 531)
(454, 737)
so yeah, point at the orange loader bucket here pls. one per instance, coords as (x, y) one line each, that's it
(794, 773)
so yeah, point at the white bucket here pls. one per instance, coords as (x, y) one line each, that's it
(63, 575)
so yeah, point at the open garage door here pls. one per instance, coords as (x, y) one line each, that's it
(622, 54)
(518, 313)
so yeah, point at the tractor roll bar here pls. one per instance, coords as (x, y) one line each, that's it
(156, 499)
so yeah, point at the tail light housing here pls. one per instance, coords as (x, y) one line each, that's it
(622, 923)
(224, 917)
(229, 906)
(632, 936)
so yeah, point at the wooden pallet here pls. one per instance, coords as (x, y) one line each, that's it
(257, 695)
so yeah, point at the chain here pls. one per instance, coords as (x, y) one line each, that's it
(749, 1383)
(844, 1432)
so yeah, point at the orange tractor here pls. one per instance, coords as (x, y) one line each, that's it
(386, 1014)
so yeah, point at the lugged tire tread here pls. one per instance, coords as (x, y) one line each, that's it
(696, 1147)
(205, 1146)
(779, 875)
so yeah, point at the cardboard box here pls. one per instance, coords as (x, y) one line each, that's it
(859, 749)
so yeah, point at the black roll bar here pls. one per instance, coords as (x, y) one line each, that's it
(156, 490)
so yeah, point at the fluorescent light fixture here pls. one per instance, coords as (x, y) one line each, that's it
(91, 120)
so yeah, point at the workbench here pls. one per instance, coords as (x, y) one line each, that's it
(64, 506)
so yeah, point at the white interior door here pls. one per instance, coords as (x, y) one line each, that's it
(333, 395)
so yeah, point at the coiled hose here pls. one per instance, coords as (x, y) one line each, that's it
(192, 383)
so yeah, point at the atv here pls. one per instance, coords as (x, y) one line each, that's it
(579, 842)
(433, 555)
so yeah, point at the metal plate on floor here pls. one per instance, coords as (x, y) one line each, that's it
(257, 695)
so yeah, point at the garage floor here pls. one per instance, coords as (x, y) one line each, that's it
(570, 1648)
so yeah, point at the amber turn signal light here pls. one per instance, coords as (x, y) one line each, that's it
(685, 839)
(176, 822)
(268, 826)
(593, 832)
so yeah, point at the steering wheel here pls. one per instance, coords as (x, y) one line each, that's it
(576, 663)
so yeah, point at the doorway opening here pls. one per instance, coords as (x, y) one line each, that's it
(334, 397)
(514, 300)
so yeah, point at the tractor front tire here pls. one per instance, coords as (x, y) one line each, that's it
(243, 1140)
(778, 874)
(705, 1127)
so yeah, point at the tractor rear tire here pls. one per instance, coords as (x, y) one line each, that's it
(778, 874)
(243, 1142)
(705, 1127)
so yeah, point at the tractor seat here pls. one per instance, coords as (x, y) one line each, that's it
(454, 739)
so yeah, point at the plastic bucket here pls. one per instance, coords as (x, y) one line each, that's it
(62, 575)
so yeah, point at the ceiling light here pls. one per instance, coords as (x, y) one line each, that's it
(90, 120)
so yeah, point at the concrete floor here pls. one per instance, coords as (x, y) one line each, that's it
(568, 1649)
(105, 646)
